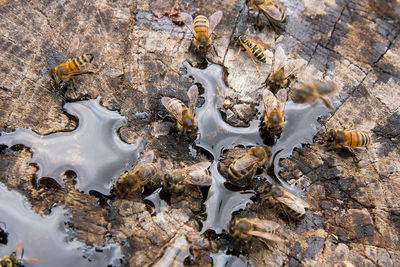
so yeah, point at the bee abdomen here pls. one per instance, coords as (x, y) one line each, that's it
(201, 24)
(238, 175)
(254, 48)
(360, 139)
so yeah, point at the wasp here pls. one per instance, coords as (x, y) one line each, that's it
(253, 47)
(244, 228)
(343, 138)
(196, 174)
(282, 69)
(282, 200)
(144, 171)
(274, 12)
(312, 91)
(274, 110)
(183, 115)
(13, 261)
(243, 169)
(202, 28)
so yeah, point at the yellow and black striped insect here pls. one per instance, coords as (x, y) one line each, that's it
(65, 70)
(202, 28)
(312, 91)
(245, 166)
(342, 138)
(281, 200)
(253, 47)
(13, 261)
(184, 116)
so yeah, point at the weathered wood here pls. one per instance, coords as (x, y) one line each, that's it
(138, 58)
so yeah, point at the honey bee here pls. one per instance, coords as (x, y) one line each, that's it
(184, 116)
(13, 261)
(282, 200)
(243, 169)
(196, 174)
(244, 228)
(274, 110)
(75, 66)
(142, 173)
(274, 12)
(342, 138)
(202, 28)
(312, 91)
(282, 69)
(253, 47)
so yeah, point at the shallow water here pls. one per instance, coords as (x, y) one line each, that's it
(215, 135)
(93, 150)
(45, 238)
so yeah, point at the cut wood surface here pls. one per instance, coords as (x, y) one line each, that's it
(139, 48)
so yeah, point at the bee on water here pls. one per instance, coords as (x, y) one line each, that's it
(342, 138)
(274, 12)
(196, 174)
(13, 261)
(184, 116)
(253, 47)
(282, 200)
(245, 228)
(243, 169)
(274, 111)
(282, 69)
(202, 28)
(312, 91)
(143, 172)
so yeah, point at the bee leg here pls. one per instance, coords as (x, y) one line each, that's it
(233, 59)
(215, 50)
(255, 63)
(258, 25)
(273, 26)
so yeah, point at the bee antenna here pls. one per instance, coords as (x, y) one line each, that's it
(18, 245)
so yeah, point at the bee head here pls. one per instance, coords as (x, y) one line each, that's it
(204, 48)
(331, 136)
(276, 191)
(242, 226)
(190, 125)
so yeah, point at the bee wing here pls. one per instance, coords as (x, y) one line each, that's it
(269, 100)
(198, 177)
(279, 58)
(213, 20)
(175, 110)
(281, 95)
(294, 202)
(326, 87)
(266, 225)
(188, 20)
(244, 162)
(148, 157)
(203, 165)
(193, 94)
(266, 236)
(197, 174)
(273, 11)
(294, 65)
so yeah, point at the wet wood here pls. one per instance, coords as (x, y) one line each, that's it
(139, 47)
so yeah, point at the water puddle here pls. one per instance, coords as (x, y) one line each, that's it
(215, 135)
(93, 150)
(45, 238)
